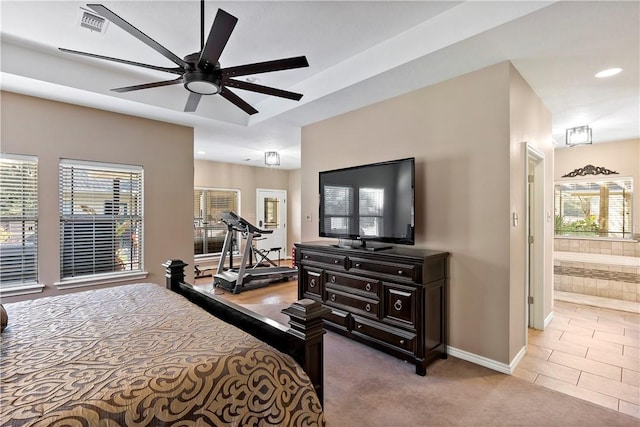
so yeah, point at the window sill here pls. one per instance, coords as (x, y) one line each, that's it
(100, 279)
(32, 288)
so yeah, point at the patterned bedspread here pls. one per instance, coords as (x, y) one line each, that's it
(140, 355)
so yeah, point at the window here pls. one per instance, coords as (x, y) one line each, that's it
(100, 218)
(338, 209)
(208, 229)
(18, 221)
(600, 208)
(371, 203)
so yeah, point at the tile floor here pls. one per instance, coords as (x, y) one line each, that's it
(592, 353)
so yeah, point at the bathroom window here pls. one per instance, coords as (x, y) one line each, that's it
(594, 208)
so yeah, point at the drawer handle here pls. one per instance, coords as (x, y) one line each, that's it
(401, 341)
(306, 257)
(367, 307)
(357, 264)
(335, 261)
(333, 297)
(368, 286)
(398, 305)
(312, 284)
(333, 279)
(400, 272)
(359, 326)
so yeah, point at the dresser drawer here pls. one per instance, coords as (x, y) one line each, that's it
(320, 258)
(368, 287)
(403, 271)
(311, 281)
(403, 340)
(351, 302)
(400, 304)
(338, 317)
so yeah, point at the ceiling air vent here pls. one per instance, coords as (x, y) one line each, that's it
(92, 21)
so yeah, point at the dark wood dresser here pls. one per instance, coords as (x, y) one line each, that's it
(393, 299)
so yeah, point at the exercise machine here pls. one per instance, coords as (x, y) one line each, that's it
(247, 275)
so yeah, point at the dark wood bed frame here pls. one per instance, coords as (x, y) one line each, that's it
(302, 339)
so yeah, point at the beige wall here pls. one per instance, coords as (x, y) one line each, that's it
(247, 179)
(52, 130)
(459, 133)
(530, 123)
(622, 157)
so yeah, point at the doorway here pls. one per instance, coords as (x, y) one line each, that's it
(271, 214)
(534, 275)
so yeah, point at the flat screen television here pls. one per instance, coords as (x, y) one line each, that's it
(373, 202)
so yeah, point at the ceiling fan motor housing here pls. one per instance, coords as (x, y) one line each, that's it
(203, 81)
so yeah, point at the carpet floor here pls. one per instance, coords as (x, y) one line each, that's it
(365, 387)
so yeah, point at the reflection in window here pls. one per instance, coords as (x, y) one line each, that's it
(338, 209)
(371, 204)
(595, 208)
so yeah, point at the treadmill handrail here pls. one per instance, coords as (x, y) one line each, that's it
(240, 224)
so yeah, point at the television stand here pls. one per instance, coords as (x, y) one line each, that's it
(392, 300)
(374, 248)
(363, 246)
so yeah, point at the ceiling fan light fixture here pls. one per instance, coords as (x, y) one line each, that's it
(201, 83)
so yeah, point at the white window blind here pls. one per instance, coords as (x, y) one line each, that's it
(371, 209)
(338, 209)
(100, 218)
(208, 229)
(18, 221)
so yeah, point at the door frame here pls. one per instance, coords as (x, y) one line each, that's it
(535, 224)
(283, 214)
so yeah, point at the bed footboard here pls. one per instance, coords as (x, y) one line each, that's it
(302, 340)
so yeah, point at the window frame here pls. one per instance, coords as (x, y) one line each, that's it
(135, 205)
(28, 281)
(198, 221)
(626, 234)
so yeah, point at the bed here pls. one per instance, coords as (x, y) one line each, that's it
(143, 355)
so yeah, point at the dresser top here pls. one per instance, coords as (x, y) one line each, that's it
(399, 251)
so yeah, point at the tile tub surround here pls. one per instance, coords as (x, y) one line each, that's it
(603, 268)
(629, 248)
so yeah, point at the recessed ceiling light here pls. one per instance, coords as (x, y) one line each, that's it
(201, 152)
(608, 72)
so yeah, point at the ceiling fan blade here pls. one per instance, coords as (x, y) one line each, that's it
(263, 89)
(221, 29)
(265, 67)
(124, 61)
(239, 102)
(192, 102)
(148, 85)
(106, 13)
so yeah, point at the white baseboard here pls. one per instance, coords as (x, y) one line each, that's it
(486, 362)
(548, 319)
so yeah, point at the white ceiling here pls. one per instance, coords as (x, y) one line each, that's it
(359, 53)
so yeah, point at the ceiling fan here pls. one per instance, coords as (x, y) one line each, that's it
(200, 72)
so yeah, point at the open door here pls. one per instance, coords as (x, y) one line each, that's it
(535, 235)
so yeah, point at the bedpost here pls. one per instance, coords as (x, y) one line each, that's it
(174, 273)
(305, 321)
